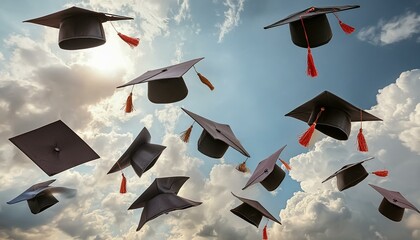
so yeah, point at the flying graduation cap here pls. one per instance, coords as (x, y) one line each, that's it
(252, 211)
(40, 196)
(81, 28)
(161, 197)
(215, 138)
(54, 147)
(141, 155)
(166, 85)
(332, 116)
(393, 204)
(352, 174)
(268, 173)
(310, 28)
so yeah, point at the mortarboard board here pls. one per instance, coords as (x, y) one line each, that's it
(40, 196)
(215, 138)
(330, 115)
(310, 28)
(141, 154)
(252, 211)
(268, 173)
(54, 147)
(161, 197)
(81, 28)
(350, 175)
(166, 85)
(393, 204)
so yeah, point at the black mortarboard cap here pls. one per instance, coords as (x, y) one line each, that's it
(40, 196)
(350, 175)
(166, 85)
(393, 204)
(215, 138)
(268, 173)
(315, 22)
(161, 197)
(54, 147)
(252, 211)
(141, 154)
(331, 115)
(79, 28)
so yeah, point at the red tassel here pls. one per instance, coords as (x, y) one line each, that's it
(185, 135)
(361, 141)
(265, 235)
(242, 167)
(129, 103)
(306, 136)
(346, 28)
(205, 81)
(311, 69)
(133, 42)
(287, 166)
(382, 173)
(123, 188)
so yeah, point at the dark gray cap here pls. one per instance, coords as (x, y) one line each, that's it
(54, 147)
(40, 196)
(141, 154)
(79, 28)
(161, 197)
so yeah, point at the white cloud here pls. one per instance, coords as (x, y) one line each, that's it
(184, 11)
(387, 32)
(232, 17)
(324, 212)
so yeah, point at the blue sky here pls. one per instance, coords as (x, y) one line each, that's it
(259, 76)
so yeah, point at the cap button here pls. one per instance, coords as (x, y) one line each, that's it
(56, 149)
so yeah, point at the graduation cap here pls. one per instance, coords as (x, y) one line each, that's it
(54, 147)
(352, 174)
(161, 197)
(141, 155)
(310, 28)
(268, 173)
(393, 204)
(40, 196)
(332, 116)
(81, 28)
(252, 211)
(166, 85)
(215, 138)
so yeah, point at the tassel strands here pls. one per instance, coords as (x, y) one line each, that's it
(242, 167)
(128, 106)
(361, 141)
(286, 165)
(204, 80)
(185, 135)
(381, 173)
(306, 136)
(123, 187)
(131, 41)
(311, 69)
(265, 235)
(346, 28)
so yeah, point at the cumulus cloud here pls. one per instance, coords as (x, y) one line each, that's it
(326, 213)
(394, 30)
(232, 17)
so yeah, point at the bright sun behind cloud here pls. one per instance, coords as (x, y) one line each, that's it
(108, 58)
